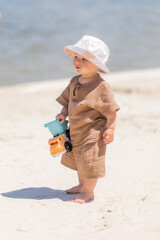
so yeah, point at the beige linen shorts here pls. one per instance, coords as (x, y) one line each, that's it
(89, 161)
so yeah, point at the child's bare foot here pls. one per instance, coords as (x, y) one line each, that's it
(76, 189)
(83, 197)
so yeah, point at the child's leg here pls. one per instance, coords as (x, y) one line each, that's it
(77, 189)
(88, 192)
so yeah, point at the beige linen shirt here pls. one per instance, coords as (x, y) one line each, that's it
(88, 106)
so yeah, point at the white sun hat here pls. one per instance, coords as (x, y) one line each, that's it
(91, 48)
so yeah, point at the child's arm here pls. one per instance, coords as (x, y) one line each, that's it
(62, 115)
(108, 134)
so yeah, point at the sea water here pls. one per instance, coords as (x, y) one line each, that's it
(33, 34)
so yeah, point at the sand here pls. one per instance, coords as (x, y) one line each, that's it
(33, 204)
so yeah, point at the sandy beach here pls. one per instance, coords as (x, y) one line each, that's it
(33, 204)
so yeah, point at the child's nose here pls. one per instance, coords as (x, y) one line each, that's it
(77, 60)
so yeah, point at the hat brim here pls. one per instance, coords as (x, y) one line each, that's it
(71, 50)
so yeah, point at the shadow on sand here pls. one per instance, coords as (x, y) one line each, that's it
(39, 194)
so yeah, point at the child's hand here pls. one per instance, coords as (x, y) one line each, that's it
(108, 136)
(61, 117)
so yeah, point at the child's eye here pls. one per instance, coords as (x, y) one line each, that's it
(81, 59)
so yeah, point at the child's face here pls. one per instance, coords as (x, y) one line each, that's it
(83, 66)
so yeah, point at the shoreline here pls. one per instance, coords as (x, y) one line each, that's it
(113, 79)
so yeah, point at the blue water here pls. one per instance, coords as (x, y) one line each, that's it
(33, 34)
